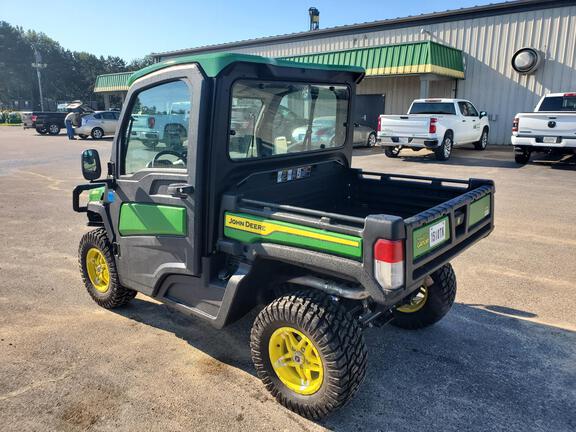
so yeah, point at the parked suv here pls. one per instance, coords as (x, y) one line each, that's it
(98, 124)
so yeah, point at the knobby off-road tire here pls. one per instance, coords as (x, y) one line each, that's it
(429, 308)
(111, 294)
(521, 156)
(334, 334)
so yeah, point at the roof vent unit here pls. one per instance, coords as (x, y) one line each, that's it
(314, 18)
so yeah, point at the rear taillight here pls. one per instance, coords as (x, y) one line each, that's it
(569, 94)
(432, 126)
(389, 263)
(34, 118)
(379, 124)
(515, 124)
(151, 122)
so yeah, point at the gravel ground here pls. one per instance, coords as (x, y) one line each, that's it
(503, 359)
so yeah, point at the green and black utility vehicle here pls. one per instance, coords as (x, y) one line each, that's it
(252, 202)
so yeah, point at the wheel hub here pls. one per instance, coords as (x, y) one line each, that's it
(97, 269)
(296, 360)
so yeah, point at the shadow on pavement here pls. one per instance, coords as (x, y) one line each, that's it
(475, 370)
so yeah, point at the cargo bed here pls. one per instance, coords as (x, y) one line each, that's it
(365, 206)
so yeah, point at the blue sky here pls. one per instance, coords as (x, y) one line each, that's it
(131, 29)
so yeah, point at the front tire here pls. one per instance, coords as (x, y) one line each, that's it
(483, 142)
(309, 352)
(431, 302)
(97, 133)
(392, 152)
(98, 270)
(444, 151)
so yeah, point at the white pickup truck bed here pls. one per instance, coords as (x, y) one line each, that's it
(552, 126)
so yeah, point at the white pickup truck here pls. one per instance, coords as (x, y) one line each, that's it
(552, 126)
(436, 124)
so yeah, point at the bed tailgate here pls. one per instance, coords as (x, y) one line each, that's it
(436, 236)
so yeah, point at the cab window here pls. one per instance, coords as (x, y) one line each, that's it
(156, 135)
(277, 118)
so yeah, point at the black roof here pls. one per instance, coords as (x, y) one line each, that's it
(491, 9)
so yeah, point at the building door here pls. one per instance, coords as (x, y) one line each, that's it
(368, 108)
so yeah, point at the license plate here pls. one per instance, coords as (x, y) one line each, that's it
(549, 140)
(430, 236)
(437, 233)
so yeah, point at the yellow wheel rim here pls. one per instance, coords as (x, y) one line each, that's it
(296, 361)
(417, 302)
(97, 268)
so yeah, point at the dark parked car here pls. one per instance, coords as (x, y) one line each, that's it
(48, 122)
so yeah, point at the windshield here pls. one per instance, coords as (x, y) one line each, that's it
(275, 118)
(432, 108)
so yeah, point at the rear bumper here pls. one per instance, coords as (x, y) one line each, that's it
(538, 141)
(415, 142)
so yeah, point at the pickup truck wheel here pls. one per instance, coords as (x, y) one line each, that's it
(309, 352)
(151, 144)
(97, 133)
(42, 131)
(483, 143)
(53, 129)
(392, 152)
(82, 136)
(371, 142)
(98, 270)
(430, 303)
(444, 151)
(521, 156)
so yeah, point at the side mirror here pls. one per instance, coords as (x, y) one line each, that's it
(483, 114)
(91, 168)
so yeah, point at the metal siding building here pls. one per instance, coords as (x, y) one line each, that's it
(488, 36)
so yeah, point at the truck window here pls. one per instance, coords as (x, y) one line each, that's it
(272, 118)
(472, 112)
(158, 123)
(558, 103)
(432, 108)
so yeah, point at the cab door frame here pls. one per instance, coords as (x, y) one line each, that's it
(144, 260)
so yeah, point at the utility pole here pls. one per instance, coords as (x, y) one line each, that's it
(39, 65)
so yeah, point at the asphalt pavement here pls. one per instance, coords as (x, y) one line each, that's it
(504, 359)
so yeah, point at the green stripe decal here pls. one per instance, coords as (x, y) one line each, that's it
(430, 236)
(253, 229)
(152, 219)
(479, 209)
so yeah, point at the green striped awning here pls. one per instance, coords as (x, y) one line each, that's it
(115, 82)
(402, 59)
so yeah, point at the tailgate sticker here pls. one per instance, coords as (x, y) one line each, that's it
(252, 229)
(479, 209)
(430, 236)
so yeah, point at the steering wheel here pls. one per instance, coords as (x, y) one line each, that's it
(156, 162)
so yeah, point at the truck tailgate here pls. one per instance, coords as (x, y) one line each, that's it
(547, 124)
(404, 125)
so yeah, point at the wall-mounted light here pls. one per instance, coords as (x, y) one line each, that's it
(526, 60)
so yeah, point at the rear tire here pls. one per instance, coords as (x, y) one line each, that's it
(392, 152)
(103, 285)
(431, 303)
(53, 129)
(97, 133)
(483, 142)
(371, 142)
(521, 156)
(309, 323)
(42, 131)
(443, 152)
